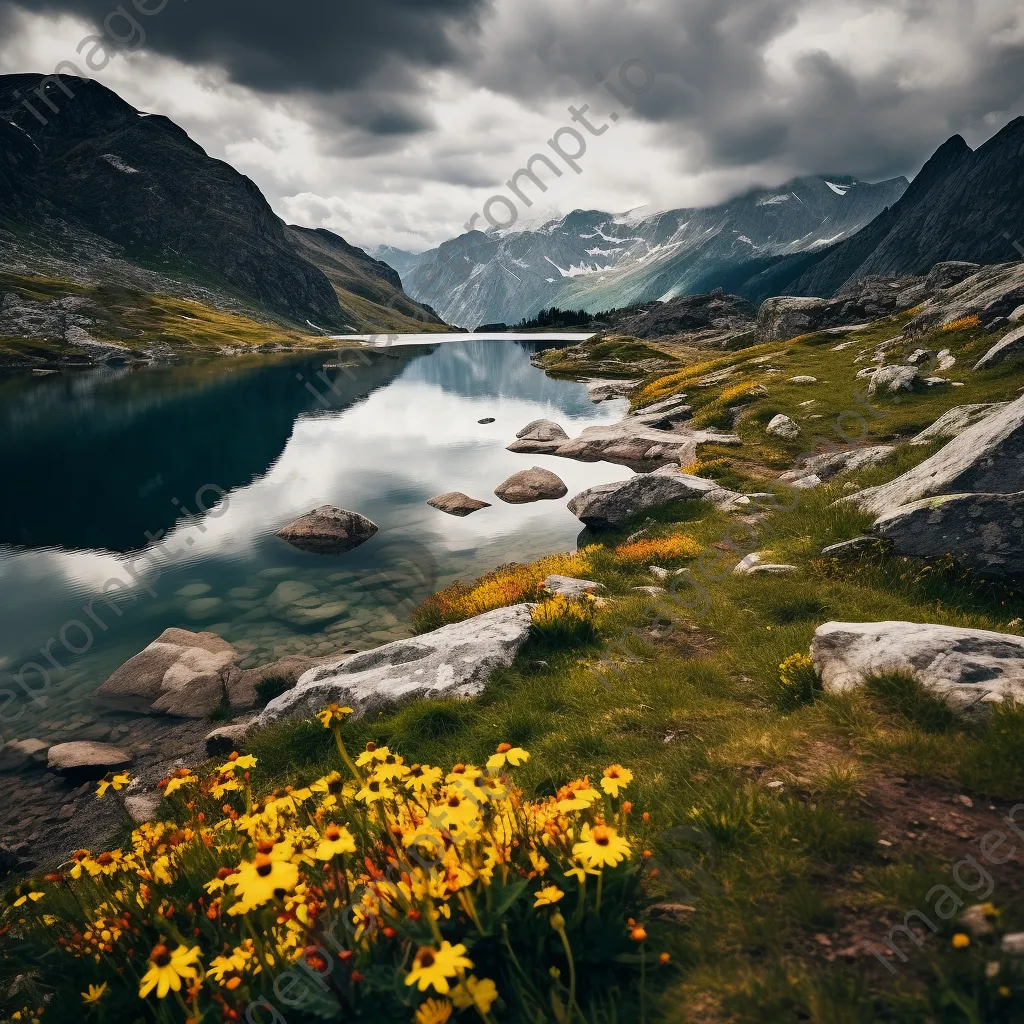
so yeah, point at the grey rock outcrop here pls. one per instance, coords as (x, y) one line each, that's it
(530, 485)
(455, 503)
(87, 758)
(782, 426)
(831, 464)
(955, 421)
(228, 738)
(786, 317)
(891, 380)
(16, 754)
(968, 668)
(987, 458)
(328, 530)
(608, 506)
(1011, 346)
(985, 532)
(180, 673)
(606, 390)
(453, 661)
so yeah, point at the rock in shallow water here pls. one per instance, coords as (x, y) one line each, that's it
(87, 758)
(328, 530)
(968, 668)
(455, 503)
(454, 661)
(534, 484)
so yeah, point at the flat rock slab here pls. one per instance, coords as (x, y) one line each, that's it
(986, 458)
(629, 442)
(831, 464)
(328, 530)
(955, 421)
(968, 668)
(455, 503)
(609, 506)
(453, 661)
(985, 532)
(1009, 347)
(529, 485)
(566, 586)
(87, 758)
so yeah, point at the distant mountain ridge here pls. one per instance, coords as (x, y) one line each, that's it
(594, 260)
(102, 189)
(965, 205)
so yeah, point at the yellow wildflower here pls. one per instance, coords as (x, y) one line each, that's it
(333, 714)
(433, 967)
(616, 778)
(478, 992)
(548, 896)
(600, 846)
(95, 993)
(336, 841)
(167, 970)
(112, 780)
(433, 1011)
(507, 754)
(236, 762)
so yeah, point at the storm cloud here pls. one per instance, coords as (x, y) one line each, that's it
(393, 121)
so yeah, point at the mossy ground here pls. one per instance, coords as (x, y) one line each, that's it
(789, 835)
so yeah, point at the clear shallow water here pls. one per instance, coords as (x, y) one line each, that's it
(106, 474)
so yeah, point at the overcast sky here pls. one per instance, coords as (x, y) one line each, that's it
(393, 121)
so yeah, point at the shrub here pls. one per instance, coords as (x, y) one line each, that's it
(559, 622)
(656, 549)
(270, 687)
(799, 683)
(963, 324)
(507, 585)
(400, 893)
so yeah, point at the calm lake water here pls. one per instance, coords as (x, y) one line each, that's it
(104, 542)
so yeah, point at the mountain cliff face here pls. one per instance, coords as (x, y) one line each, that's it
(964, 205)
(366, 288)
(102, 177)
(594, 261)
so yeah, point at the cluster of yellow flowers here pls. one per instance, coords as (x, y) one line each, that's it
(659, 549)
(505, 586)
(792, 668)
(403, 888)
(965, 323)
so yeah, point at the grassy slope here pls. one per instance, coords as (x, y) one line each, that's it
(777, 884)
(141, 321)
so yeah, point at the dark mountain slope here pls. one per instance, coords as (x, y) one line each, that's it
(962, 206)
(102, 190)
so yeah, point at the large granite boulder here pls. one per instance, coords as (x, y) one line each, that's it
(989, 293)
(455, 503)
(328, 530)
(968, 668)
(453, 661)
(985, 532)
(530, 485)
(609, 506)
(1009, 347)
(955, 421)
(987, 458)
(180, 673)
(630, 442)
